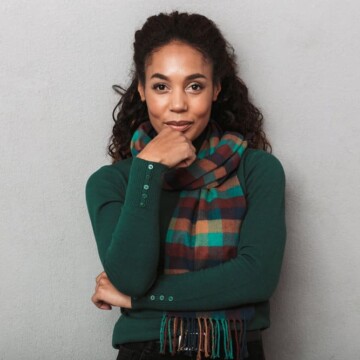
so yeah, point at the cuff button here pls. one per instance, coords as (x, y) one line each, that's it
(152, 297)
(161, 297)
(170, 298)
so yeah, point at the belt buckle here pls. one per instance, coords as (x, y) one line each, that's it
(184, 348)
(251, 335)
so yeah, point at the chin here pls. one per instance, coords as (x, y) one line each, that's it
(191, 137)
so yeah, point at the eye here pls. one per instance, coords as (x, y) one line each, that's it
(196, 87)
(160, 87)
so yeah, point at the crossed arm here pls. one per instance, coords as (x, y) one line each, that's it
(129, 252)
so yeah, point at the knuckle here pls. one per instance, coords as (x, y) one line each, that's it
(100, 291)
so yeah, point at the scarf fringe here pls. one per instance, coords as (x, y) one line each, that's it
(204, 335)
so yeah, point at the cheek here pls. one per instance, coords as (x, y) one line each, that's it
(156, 106)
(202, 106)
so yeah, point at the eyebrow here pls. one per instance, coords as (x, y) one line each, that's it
(189, 77)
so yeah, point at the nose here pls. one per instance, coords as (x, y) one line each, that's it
(178, 101)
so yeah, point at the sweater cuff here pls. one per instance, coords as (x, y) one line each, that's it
(158, 298)
(143, 302)
(145, 183)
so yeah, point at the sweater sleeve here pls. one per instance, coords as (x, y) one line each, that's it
(125, 223)
(253, 275)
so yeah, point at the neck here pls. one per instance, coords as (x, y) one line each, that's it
(199, 140)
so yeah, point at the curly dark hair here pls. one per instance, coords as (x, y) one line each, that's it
(232, 110)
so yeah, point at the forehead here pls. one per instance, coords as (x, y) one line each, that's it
(177, 58)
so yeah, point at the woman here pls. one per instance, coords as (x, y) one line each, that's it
(189, 217)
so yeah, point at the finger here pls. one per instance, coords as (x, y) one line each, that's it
(103, 281)
(182, 164)
(105, 306)
(95, 300)
(189, 160)
(103, 273)
(100, 275)
(100, 303)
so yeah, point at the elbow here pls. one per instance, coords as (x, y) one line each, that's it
(267, 290)
(267, 274)
(267, 281)
(130, 283)
(262, 279)
(259, 290)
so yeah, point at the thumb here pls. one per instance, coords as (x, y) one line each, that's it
(104, 306)
(186, 162)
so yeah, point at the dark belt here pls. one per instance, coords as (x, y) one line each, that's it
(253, 335)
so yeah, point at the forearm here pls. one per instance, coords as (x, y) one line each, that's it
(126, 226)
(251, 277)
(253, 274)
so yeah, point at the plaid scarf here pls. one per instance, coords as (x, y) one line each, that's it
(204, 232)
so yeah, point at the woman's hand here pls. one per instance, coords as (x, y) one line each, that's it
(171, 148)
(106, 295)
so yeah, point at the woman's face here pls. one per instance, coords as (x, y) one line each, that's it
(178, 89)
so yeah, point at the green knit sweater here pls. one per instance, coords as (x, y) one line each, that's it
(130, 240)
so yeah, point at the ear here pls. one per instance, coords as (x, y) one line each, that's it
(217, 89)
(141, 91)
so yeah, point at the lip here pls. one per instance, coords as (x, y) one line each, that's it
(182, 125)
